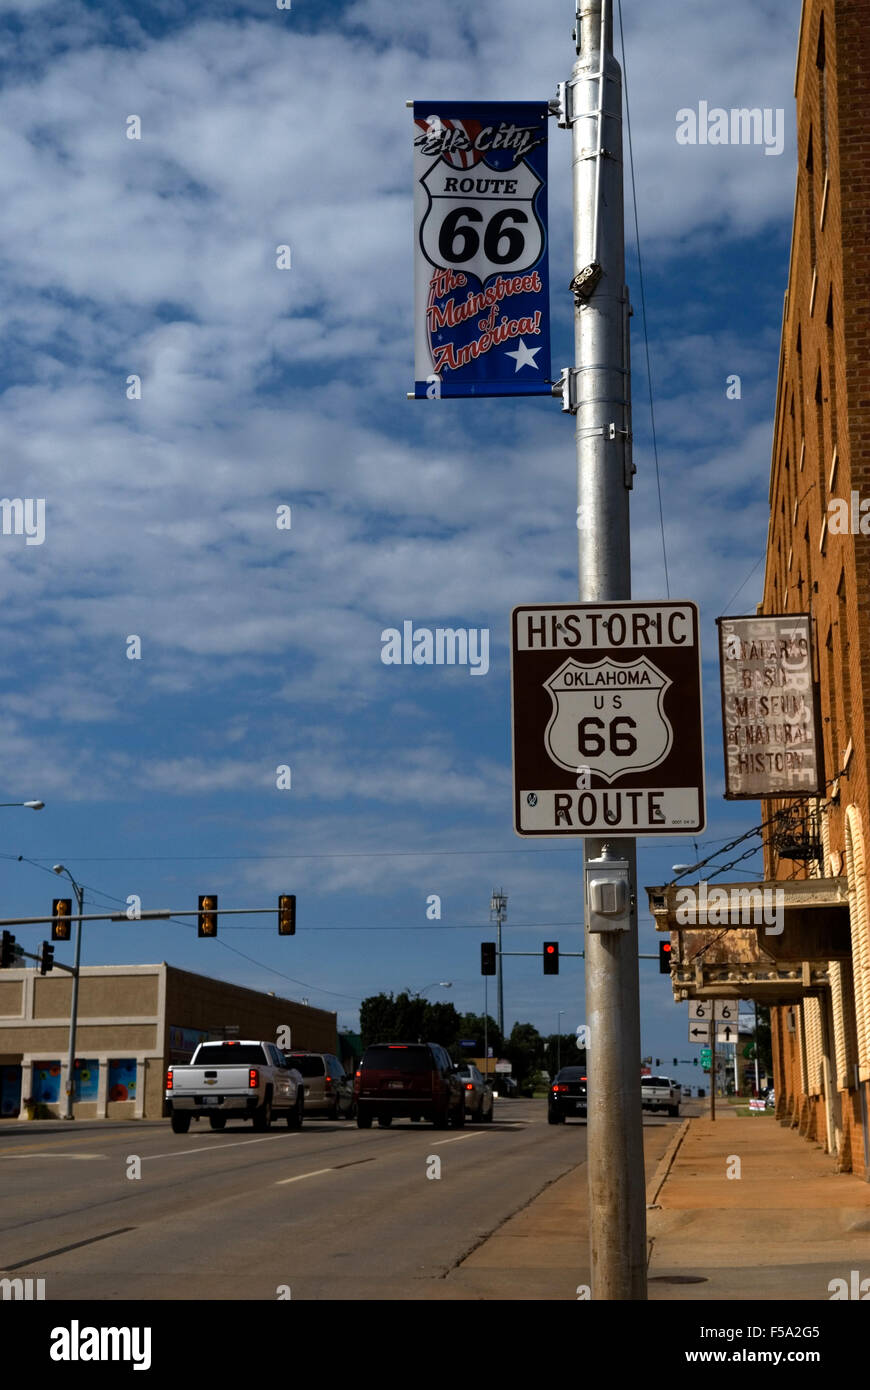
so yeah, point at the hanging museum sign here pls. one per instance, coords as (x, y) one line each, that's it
(770, 717)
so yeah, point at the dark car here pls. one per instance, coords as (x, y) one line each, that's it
(328, 1091)
(413, 1081)
(567, 1095)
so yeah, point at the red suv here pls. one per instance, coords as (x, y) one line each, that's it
(416, 1081)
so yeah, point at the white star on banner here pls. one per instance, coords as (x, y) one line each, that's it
(525, 356)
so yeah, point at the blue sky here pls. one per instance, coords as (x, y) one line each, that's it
(262, 647)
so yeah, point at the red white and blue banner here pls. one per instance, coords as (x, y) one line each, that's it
(481, 295)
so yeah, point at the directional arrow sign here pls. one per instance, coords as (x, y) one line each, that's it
(726, 1033)
(699, 1033)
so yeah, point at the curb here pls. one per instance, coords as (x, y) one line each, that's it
(657, 1181)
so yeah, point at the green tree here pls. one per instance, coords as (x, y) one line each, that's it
(377, 1019)
(471, 1026)
(569, 1055)
(524, 1050)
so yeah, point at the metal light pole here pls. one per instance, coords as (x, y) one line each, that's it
(34, 805)
(74, 1004)
(559, 1039)
(600, 388)
(486, 1024)
(498, 914)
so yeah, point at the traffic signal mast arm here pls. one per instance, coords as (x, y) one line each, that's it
(141, 916)
(55, 964)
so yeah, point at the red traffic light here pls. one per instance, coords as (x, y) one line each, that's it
(551, 957)
(664, 957)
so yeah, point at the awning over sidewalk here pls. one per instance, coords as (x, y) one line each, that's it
(799, 927)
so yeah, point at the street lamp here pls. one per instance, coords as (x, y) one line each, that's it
(74, 1005)
(498, 914)
(34, 805)
(442, 984)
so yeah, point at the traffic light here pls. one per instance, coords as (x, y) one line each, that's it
(61, 911)
(694, 1061)
(551, 957)
(676, 1063)
(207, 919)
(287, 914)
(487, 957)
(658, 1062)
(46, 958)
(8, 952)
(664, 957)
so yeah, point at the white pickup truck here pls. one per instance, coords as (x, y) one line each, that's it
(659, 1093)
(235, 1079)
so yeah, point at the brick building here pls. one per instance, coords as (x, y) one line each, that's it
(820, 475)
(132, 1021)
(815, 973)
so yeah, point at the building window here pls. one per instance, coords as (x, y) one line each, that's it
(832, 374)
(823, 95)
(845, 647)
(831, 690)
(811, 199)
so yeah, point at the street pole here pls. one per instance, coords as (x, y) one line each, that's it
(755, 1042)
(713, 1068)
(559, 1041)
(486, 1025)
(497, 914)
(601, 390)
(74, 1005)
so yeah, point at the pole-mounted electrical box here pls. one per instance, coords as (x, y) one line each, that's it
(608, 895)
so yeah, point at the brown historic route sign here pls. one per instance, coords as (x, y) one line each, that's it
(606, 713)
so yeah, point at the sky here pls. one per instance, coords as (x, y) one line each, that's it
(264, 388)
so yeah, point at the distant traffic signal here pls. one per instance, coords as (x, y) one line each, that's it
(8, 952)
(61, 911)
(676, 1063)
(487, 957)
(551, 957)
(658, 1062)
(287, 914)
(664, 957)
(207, 920)
(46, 958)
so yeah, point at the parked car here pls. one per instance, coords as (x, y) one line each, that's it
(660, 1093)
(235, 1079)
(415, 1081)
(328, 1090)
(478, 1094)
(567, 1095)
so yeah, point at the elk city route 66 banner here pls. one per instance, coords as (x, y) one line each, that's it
(481, 285)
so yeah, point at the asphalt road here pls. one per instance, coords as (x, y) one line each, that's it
(329, 1212)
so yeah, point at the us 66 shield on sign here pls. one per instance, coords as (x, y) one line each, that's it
(614, 689)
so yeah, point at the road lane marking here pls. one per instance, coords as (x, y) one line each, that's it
(315, 1174)
(185, 1153)
(458, 1140)
(48, 1154)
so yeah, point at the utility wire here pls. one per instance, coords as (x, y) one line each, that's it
(643, 303)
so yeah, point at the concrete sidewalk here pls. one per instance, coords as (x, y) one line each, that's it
(543, 1251)
(782, 1229)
